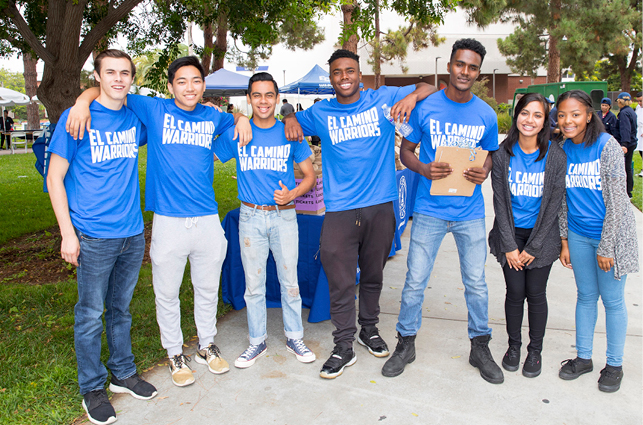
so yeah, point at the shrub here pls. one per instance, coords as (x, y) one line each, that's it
(504, 122)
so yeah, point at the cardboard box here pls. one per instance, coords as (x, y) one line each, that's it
(313, 201)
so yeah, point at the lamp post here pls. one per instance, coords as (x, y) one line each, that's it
(284, 77)
(437, 85)
(494, 82)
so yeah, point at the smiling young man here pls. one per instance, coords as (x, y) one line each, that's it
(359, 189)
(94, 191)
(267, 217)
(179, 190)
(452, 117)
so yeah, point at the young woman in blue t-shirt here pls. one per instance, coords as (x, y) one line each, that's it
(528, 178)
(598, 234)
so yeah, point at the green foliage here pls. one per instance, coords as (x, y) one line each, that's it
(504, 122)
(520, 41)
(481, 90)
(607, 70)
(151, 68)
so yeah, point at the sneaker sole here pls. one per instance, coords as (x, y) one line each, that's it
(509, 367)
(110, 420)
(124, 390)
(303, 359)
(393, 375)
(609, 388)
(571, 377)
(376, 354)
(245, 365)
(531, 374)
(201, 360)
(327, 375)
(487, 378)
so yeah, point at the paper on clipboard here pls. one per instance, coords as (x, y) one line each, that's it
(460, 159)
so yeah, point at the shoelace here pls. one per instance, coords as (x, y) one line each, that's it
(213, 350)
(608, 374)
(300, 346)
(96, 398)
(532, 360)
(180, 360)
(571, 362)
(249, 352)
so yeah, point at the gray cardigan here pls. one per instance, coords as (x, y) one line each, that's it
(618, 239)
(544, 241)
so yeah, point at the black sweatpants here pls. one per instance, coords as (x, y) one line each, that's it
(629, 171)
(350, 238)
(532, 285)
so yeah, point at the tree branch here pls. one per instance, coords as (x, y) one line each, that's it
(113, 16)
(30, 38)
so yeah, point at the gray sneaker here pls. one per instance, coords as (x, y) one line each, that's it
(252, 353)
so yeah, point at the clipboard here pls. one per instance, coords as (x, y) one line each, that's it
(460, 159)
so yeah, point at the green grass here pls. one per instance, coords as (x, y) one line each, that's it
(38, 382)
(638, 182)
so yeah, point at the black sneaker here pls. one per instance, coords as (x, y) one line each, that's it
(573, 368)
(134, 386)
(99, 409)
(481, 358)
(533, 364)
(338, 360)
(610, 380)
(370, 338)
(511, 360)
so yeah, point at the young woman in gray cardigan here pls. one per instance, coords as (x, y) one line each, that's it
(528, 179)
(598, 234)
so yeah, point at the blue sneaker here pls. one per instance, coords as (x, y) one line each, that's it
(299, 349)
(251, 354)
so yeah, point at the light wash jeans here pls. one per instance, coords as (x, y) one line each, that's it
(427, 234)
(261, 232)
(174, 241)
(107, 274)
(592, 282)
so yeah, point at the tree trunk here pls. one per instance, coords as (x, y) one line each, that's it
(221, 45)
(626, 71)
(208, 45)
(351, 43)
(377, 52)
(553, 66)
(31, 85)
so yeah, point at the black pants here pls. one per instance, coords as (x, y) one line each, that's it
(530, 284)
(350, 238)
(629, 171)
(2, 139)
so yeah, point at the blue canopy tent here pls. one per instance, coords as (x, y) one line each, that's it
(226, 83)
(316, 81)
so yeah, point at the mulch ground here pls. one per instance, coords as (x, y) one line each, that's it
(34, 259)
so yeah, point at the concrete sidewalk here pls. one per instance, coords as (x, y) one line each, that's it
(440, 387)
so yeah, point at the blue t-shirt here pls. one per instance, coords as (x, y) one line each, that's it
(102, 180)
(585, 204)
(358, 146)
(439, 121)
(267, 159)
(526, 178)
(180, 159)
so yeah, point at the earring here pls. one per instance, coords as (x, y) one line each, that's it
(588, 121)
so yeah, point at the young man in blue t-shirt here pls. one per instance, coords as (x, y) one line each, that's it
(267, 217)
(178, 188)
(359, 189)
(452, 117)
(94, 191)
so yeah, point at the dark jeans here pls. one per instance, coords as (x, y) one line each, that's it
(532, 285)
(361, 237)
(629, 171)
(107, 274)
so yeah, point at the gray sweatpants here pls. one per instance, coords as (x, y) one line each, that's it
(174, 240)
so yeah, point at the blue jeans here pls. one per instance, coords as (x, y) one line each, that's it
(592, 282)
(259, 233)
(107, 274)
(427, 234)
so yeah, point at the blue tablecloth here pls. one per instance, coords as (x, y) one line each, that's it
(313, 285)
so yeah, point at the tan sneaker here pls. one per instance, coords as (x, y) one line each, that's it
(211, 356)
(181, 372)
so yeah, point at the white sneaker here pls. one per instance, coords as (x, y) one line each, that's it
(181, 372)
(211, 356)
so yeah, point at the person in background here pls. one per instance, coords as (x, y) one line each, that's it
(639, 126)
(598, 233)
(299, 107)
(315, 140)
(528, 179)
(286, 108)
(230, 108)
(625, 134)
(607, 116)
(6, 124)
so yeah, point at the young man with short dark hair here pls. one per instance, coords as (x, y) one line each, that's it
(452, 117)
(180, 171)
(94, 191)
(359, 189)
(267, 217)
(286, 108)
(6, 124)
